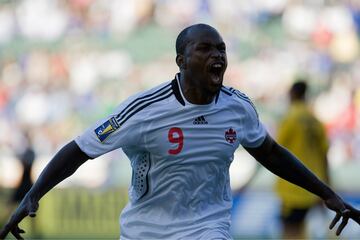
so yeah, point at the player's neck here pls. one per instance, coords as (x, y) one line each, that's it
(193, 93)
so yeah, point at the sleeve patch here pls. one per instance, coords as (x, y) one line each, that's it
(107, 128)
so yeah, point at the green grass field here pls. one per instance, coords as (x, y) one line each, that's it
(75, 213)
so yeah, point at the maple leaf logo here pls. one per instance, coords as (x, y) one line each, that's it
(230, 135)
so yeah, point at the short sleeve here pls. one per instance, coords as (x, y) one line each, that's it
(119, 129)
(254, 132)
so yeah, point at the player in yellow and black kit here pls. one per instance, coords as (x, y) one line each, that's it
(304, 135)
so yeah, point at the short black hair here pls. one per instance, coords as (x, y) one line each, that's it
(299, 88)
(182, 40)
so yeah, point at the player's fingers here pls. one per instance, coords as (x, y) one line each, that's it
(335, 220)
(354, 213)
(33, 208)
(21, 230)
(12, 225)
(32, 214)
(342, 225)
(356, 219)
(16, 232)
(16, 235)
(345, 214)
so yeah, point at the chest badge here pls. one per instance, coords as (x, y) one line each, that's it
(230, 135)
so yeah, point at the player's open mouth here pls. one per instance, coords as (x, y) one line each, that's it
(216, 70)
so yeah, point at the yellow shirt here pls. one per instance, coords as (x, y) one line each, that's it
(305, 137)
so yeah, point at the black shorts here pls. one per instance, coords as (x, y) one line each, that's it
(294, 215)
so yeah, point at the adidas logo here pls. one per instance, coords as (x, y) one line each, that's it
(200, 120)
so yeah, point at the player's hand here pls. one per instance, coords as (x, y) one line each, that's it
(354, 213)
(344, 211)
(27, 207)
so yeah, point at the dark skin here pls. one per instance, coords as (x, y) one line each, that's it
(200, 85)
(204, 49)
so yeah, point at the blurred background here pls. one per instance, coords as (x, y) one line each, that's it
(66, 63)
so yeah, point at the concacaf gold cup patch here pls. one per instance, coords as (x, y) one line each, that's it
(107, 128)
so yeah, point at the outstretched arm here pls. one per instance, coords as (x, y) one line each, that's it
(285, 165)
(63, 165)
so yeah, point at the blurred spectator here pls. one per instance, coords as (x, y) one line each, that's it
(26, 157)
(304, 135)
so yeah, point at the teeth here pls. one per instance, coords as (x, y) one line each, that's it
(217, 65)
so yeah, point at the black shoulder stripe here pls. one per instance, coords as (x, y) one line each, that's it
(241, 95)
(143, 97)
(140, 98)
(154, 97)
(123, 120)
(224, 90)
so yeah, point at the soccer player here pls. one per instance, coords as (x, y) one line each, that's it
(299, 131)
(180, 138)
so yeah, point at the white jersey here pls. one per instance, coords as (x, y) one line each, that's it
(180, 154)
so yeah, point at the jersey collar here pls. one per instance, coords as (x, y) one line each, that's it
(175, 83)
(176, 89)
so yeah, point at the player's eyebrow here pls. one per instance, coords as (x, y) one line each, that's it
(222, 44)
(204, 43)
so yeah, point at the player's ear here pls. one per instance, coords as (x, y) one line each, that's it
(180, 61)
